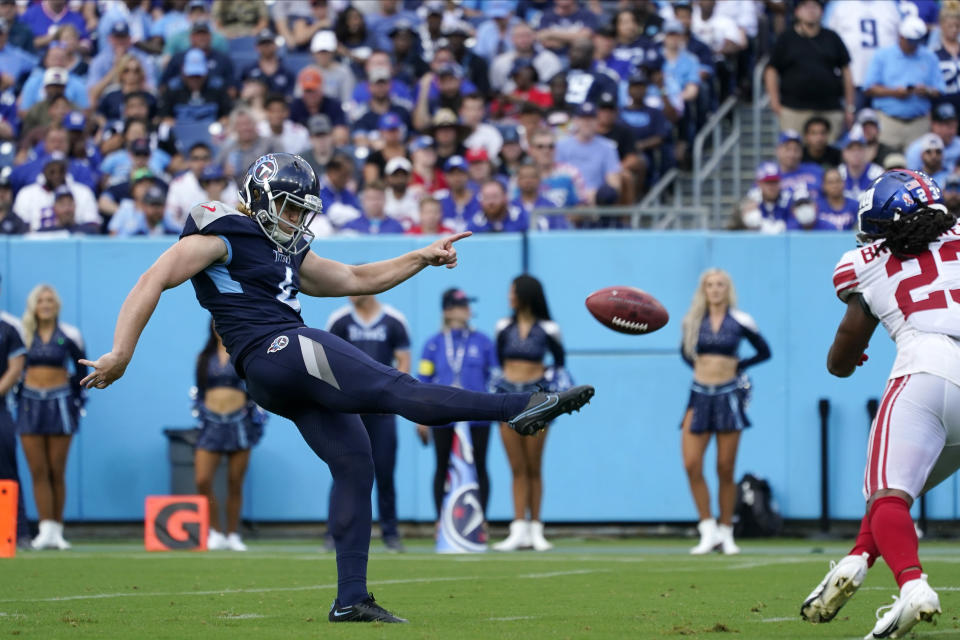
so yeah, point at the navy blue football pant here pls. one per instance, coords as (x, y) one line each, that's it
(382, 430)
(321, 382)
(8, 465)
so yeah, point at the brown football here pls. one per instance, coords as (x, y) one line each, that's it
(627, 310)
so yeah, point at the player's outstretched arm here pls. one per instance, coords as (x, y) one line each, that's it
(321, 277)
(853, 336)
(183, 260)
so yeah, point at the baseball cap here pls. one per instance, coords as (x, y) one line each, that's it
(454, 163)
(894, 161)
(457, 28)
(140, 147)
(400, 25)
(522, 63)
(319, 124)
(74, 121)
(56, 156)
(310, 78)
(379, 73)
(585, 110)
(155, 195)
(944, 111)
(390, 121)
(768, 172)
(266, 35)
(5, 177)
(789, 135)
(445, 118)
(421, 142)
(200, 25)
(323, 41)
(434, 7)
(62, 191)
(913, 28)
(141, 174)
(673, 26)
(868, 116)
(477, 155)
(638, 77)
(931, 142)
(195, 63)
(212, 172)
(55, 75)
(398, 164)
(855, 136)
(450, 69)
(607, 101)
(510, 134)
(499, 8)
(455, 298)
(196, 4)
(120, 29)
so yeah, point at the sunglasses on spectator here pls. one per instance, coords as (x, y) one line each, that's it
(133, 70)
(202, 158)
(544, 146)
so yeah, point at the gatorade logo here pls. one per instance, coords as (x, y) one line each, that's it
(176, 523)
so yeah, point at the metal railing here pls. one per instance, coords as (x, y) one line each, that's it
(704, 168)
(760, 101)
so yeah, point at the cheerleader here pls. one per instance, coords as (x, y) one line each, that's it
(230, 424)
(49, 407)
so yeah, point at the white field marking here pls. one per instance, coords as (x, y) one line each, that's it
(755, 564)
(512, 618)
(894, 589)
(782, 619)
(554, 574)
(215, 592)
(242, 616)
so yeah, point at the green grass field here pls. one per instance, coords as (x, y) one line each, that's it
(583, 589)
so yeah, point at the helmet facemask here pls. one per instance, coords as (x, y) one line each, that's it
(284, 233)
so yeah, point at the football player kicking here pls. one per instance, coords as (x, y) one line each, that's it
(247, 266)
(906, 275)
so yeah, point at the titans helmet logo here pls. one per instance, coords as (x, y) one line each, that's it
(264, 169)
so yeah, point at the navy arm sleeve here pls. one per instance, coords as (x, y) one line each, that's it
(686, 358)
(76, 351)
(757, 341)
(555, 344)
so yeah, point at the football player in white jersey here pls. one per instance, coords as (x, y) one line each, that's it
(905, 275)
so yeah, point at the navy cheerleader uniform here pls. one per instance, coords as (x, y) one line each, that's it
(227, 432)
(54, 411)
(722, 407)
(544, 337)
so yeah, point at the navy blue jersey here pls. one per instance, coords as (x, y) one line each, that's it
(736, 326)
(459, 357)
(253, 293)
(544, 337)
(11, 343)
(379, 338)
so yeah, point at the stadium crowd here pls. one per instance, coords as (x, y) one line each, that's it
(117, 116)
(859, 87)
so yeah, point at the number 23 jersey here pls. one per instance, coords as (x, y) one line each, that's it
(917, 300)
(252, 295)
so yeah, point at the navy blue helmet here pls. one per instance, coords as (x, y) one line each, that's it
(894, 195)
(280, 192)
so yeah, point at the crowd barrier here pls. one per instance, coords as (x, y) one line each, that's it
(618, 460)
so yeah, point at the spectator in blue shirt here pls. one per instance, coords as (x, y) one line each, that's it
(803, 217)
(118, 44)
(382, 22)
(9, 118)
(833, 206)
(931, 156)
(632, 47)
(269, 66)
(312, 101)
(33, 89)
(143, 215)
(679, 65)
(565, 24)
(529, 198)
(220, 73)
(496, 214)
(374, 219)
(944, 124)
(461, 203)
(796, 176)
(902, 80)
(772, 200)
(14, 61)
(45, 16)
(17, 32)
(594, 156)
(585, 81)
(651, 130)
(334, 189)
(493, 34)
(858, 174)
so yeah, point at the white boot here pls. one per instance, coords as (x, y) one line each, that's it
(536, 537)
(45, 535)
(709, 537)
(519, 537)
(216, 541)
(727, 545)
(58, 541)
(234, 542)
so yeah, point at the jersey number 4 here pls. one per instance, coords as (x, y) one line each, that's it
(949, 252)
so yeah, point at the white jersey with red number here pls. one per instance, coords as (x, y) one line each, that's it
(917, 300)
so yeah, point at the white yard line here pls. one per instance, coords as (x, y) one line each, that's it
(242, 616)
(782, 619)
(511, 618)
(554, 574)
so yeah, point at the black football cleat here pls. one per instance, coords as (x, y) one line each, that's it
(366, 611)
(544, 407)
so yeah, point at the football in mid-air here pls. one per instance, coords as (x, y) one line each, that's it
(627, 310)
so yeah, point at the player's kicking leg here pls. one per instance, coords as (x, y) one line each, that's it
(837, 587)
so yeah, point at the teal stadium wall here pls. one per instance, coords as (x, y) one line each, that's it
(619, 460)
